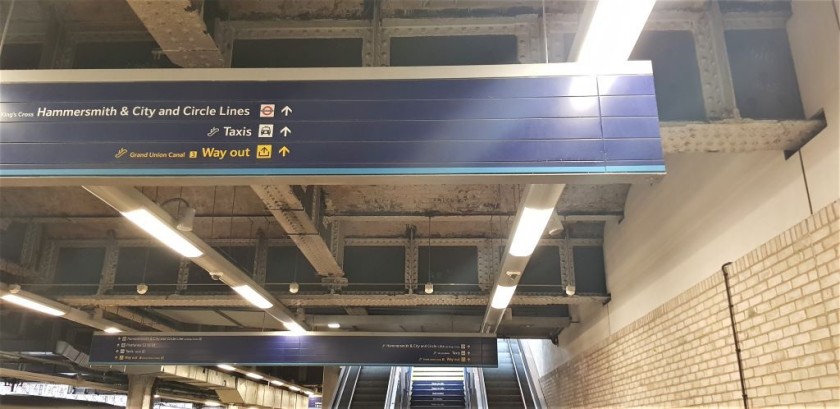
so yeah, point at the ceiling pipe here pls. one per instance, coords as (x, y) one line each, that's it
(128, 200)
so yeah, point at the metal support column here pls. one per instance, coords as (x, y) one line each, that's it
(31, 245)
(140, 391)
(412, 255)
(567, 263)
(260, 258)
(108, 274)
(337, 242)
(183, 274)
(715, 75)
(47, 262)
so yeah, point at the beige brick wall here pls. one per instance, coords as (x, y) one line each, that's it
(786, 309)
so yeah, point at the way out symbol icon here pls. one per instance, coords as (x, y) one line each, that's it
(263, 151)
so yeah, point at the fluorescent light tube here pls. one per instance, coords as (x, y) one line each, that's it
(529, 230)
(502, 296)
(166, 234)
(334, 325)
(294, 327)
(112, 330)
(212, 403)
(277, 383)
(226, 367)
(254, 375)
(294, 388)
(614, 30)
(33, 305)
(252, 296)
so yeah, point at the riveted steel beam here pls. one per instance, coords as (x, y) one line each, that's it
(738, 136)
(325, 300)
(290, 212)
(15, 269)
(179, 29)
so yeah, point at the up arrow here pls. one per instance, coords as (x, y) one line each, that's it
(284, 150)
(285, 131)
(286, 110)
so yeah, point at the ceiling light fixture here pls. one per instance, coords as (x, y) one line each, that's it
(277, 383)
(612, 31)
(253, 375)
(226, 367)
(294, 288)
(294, 388)
(334, 325)
(294, 327)
(212, 403)
(529, 230)
(112, 330)
(160, 230)
(252, 296)
(32, 305)
(502, 296)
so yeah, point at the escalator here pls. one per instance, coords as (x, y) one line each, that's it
(371, 387)
(507, 386)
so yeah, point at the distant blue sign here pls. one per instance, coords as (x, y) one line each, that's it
(282, 348)
(549, 124)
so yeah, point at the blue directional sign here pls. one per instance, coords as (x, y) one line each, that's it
(564, 123)
(283, 348)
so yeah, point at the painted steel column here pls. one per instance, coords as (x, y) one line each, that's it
(330, 384)
(140, 392)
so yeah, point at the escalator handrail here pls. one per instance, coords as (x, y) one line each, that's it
(533, 385)
(393, 386)
(350, 374)
(480, 388)
(516, 373)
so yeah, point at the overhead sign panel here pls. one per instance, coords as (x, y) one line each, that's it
(283, 348)
(526, 120)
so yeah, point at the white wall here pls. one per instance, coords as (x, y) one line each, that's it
(713, 208)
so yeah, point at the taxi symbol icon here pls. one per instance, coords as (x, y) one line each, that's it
(266, 131)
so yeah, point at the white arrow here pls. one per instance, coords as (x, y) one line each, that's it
(285, 131)
(286, 110)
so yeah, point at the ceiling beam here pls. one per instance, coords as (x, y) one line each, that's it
(179, 29)
(17, 270)
(290, 211)
(462, 323)
(325, 300)
(328, 218)
(143, 320)
(127, 199)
